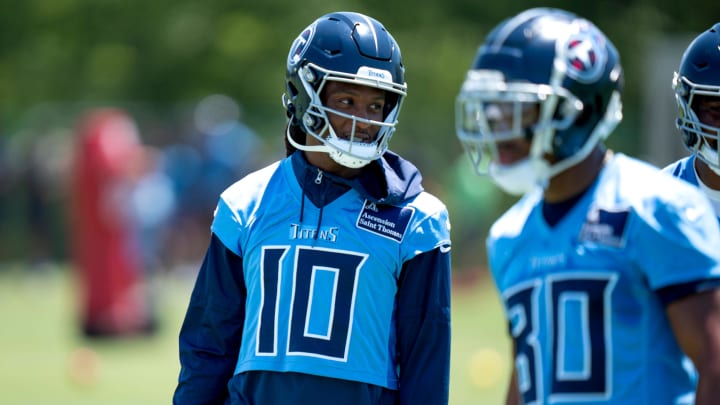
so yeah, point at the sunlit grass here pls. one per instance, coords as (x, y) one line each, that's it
(46, 360)
(480, 350)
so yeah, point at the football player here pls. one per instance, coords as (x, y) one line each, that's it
(697, 92)
(327, 278)
(608, 269)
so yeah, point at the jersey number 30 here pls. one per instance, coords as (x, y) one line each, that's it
(578, 328)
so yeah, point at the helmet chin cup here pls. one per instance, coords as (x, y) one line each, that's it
(347, 160)
(335, 148)
(352, 154)
(517, 178)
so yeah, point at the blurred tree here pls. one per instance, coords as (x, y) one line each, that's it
(58, 57)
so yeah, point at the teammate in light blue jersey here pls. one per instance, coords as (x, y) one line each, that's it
(327, 278)
(609, 269)
(697, 92)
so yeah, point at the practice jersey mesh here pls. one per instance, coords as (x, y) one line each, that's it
(321, 299)
(580, 297)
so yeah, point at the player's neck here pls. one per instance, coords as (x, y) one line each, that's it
(324, 162)
(578, 178)
(706, 175)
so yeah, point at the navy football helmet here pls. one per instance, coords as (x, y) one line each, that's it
(698, 76)
(555, 64)
(345, 47)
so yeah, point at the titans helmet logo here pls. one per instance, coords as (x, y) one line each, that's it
(299, 46)
(585, 54)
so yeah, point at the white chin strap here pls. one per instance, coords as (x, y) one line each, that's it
(334, 150)
(517, 178)
(336, 145)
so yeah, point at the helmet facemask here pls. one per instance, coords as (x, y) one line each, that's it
(352, 152)
(530, 111)
(699, 138)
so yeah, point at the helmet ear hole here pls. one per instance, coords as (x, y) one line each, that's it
(587, 113)
(292, 89)
(288, 101)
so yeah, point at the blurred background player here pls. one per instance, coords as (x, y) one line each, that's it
(697, 92)
(608, 269)
(109, 159)
(327, 278)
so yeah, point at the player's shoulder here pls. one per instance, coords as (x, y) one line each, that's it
(512, 221)
(426, 202)
(677, 167)
(683, 169)
(633, 177)
(241, 199)
(429, 215)
(428, 226)
(646, 189)
(251, 186)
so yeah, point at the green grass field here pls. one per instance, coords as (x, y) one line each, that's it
(44, 359)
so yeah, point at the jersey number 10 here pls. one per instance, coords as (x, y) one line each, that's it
(321, 308)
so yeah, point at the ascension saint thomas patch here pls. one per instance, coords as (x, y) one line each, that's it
(385, 220)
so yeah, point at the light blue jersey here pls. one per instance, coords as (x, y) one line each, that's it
(684, 169)
(585, 299)
(321, 292)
